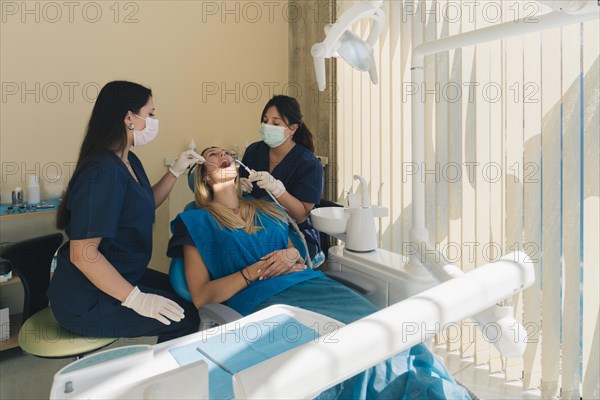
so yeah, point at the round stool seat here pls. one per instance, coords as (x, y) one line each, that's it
(42, 336)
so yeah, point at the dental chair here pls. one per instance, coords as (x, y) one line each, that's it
(212, 315)
(182, 367)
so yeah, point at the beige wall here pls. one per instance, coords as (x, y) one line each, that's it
(318, 109)
(212, 66)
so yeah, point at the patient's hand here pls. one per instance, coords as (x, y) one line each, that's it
(281, 262)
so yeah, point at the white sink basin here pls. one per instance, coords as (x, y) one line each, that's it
(330, 220)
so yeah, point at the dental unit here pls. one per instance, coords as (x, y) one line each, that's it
(420, 294)
(354, 225)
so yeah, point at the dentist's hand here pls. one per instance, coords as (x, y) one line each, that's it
(184, 161)
(246, 185)
(265, 181)
(154, 306)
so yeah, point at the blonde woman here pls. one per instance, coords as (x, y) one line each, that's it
(237, 252)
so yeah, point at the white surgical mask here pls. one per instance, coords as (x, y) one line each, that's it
(272, 135)
(147, 134)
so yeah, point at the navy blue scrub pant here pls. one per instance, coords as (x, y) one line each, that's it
(108, 318)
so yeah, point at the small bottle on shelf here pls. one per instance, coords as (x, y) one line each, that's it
(33, 190)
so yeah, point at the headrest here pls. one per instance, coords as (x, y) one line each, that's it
(191, 177)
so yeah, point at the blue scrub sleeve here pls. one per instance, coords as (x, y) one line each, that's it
(95, 202)
(309, 187)
(180, 237)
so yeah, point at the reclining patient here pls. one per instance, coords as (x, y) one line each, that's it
(238, 252)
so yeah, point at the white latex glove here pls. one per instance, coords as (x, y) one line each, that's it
(265, 181)
(184, 161)
(246, 185)
(153, 306)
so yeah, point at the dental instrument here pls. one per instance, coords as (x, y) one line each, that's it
(192, 145)
(248, 170)
(217, 362)
(290, 221)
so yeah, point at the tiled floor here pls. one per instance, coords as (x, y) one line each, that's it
(478, 379)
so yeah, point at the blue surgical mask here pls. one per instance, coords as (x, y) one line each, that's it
(272, 135)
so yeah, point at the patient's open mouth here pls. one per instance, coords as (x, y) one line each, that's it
(225, 164)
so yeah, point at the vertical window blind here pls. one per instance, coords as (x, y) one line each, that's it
(512, 163)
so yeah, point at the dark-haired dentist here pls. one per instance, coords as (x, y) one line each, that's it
(101, 286)
(285, 166)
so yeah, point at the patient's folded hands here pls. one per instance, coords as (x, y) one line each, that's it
(281, 262)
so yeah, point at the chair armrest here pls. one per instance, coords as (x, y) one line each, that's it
(216, 314)
(353, 281)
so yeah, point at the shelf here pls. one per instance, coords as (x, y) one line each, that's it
(13, 340)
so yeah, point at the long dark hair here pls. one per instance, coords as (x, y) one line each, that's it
(289, 108)
(106, 129)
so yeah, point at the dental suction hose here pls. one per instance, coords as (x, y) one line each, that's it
(291, 221)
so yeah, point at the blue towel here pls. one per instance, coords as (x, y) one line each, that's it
(244, 347)
(412, 374)
(324, 296)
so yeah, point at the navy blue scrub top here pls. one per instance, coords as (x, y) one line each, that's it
(300, 172)
(105, 201)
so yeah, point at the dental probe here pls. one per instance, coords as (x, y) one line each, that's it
(244, 166)
(211, 358)
(250, 172)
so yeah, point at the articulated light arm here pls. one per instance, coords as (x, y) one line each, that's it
(508, 29)
(340, 40)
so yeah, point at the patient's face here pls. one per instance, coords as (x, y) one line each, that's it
(219, 165)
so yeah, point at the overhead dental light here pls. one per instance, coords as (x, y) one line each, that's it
(340, 41)
(573, 7)
(359, 54)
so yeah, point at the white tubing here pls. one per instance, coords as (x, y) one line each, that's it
(307, 370)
